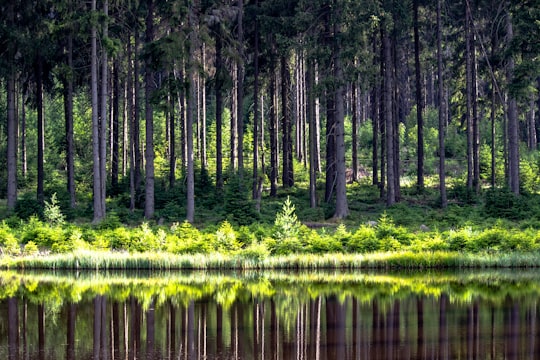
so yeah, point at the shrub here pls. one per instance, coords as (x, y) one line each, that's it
(341, 235)
(41, 234)
(286, 224)
(11, 246)
(52, 212)
(318, 244)
(30, 249)
(386, 229)
(457, 239)
(434, 243)
(143, 239)
(226, 239)
(502, 203)
(363, 240)
(28, 207)
(489, 239)
(518, 241)
(256, 251)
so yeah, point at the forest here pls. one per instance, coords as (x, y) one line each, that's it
(119, 111)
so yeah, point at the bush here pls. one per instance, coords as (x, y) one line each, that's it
(30, 249)
(386, 229)
(52, 212)
(502, 203)
(226, 239)
(318, 244)
(28, 207)
(364, 240)
(256, 251)
(434, 243)
(41, 234)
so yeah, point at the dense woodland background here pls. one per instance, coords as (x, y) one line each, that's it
(178, 108)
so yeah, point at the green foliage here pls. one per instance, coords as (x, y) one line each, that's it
(502, 203)
(286, 225)
(28, 206)
(226, 241)
(8, 243)
(256, 251)
(386, 231)
(41, 234)
(52, 212)
(30, 249)
(364, 240)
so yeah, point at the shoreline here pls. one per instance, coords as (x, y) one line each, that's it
(404, 260)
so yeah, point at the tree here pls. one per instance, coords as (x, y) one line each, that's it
(419, 101)
(441, 112)
(513, 126)
(149, 115)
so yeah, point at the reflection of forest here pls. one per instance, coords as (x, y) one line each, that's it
(270, 316)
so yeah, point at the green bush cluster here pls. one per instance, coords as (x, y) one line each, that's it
(256, 242)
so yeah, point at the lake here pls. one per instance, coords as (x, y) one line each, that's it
(270, 315)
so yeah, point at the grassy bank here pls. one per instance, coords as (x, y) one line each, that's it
(99, 260)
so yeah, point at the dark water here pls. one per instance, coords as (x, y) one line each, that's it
(487, 315)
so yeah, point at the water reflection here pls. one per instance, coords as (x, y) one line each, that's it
(270, 316)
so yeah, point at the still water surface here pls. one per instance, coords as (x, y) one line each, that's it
(270, 315)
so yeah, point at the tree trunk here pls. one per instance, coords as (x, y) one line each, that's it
(24, 161)
(40, 130)
(310, 82)
(115, 130)
(389, 128)
(255, 194)
(172, 140)
(68, 113)
(286, 128)
(149, 117)
(99, 213)
(513, 125)
(354, 121)
(190, 207)
(532, 141)
(342, 208)
(240, 90)
(104, 113)
(469, 90)
(419, 103)
(11, 142)
(273, 131)
(219, 108)
(440, 90)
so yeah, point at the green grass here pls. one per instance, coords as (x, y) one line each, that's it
(97, 260)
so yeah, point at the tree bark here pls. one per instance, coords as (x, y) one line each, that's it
(190, 207)
(354, 121)
(240, 90)
(219, 108)
(310, 82)
(273, 131)
(40, 130)
(513, 125)
(286, 128)
(149, 117)
(68, 113)
(440, 90)
(389, 128)
(419, 102)
(98, 211)
(255, 193)
(342, 208)
(104, 112)
(172, 139)
(11, 142)
(469, 90)
(115, 129)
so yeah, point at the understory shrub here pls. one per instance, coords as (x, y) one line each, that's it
(363, 240)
